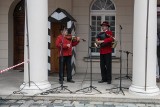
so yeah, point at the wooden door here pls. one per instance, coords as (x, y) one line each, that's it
(19, 34)
(19, 41)
(55, 31)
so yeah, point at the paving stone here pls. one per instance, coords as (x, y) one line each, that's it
(79, 105)
(58, 101)
(131, 105)
(140, 105)
(21, 101)
(38, 101)
(108, 105)
(3, 101)
(90, 105)
(14, 105)
(68, 105)
(43, 106)
(35, 104)
(50, 105)
(96, 102)
(84, 102)
(4, 105)
(27, 103)
(11, 101)
(58, 106)
(120, 106)
(67, 102)
(75, 102)
(150, 105)
(99, 105)
(47, 102)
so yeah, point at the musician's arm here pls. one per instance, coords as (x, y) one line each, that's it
(110, 39)
(98, 41)
(75, 43)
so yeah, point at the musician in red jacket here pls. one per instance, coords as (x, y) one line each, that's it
(64, 43)
(105, 39)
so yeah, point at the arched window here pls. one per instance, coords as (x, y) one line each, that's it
(101, 10)
(103, 5)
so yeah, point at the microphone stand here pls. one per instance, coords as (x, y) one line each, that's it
(127, 75)
(61, 87)
(120, 83)
(91, 86)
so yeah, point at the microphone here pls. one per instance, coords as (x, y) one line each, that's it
(120, 26)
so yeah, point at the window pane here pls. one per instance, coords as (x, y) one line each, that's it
(94, 23)
(103, 4)
(99, 18)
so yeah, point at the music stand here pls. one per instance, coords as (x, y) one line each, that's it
(91, 86)
(127, 74)
(120, 83)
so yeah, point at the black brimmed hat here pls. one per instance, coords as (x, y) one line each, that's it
(105, 23)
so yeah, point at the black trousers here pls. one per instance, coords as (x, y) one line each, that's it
(106, 67)
(66, 64)
(158, 57)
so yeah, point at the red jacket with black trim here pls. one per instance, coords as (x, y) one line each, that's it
(67, 51)
(108, 48)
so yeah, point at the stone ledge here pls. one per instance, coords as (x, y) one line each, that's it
(97, 59)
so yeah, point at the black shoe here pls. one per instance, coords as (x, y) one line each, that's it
(109, 82)
(102, 81)
(71, 81)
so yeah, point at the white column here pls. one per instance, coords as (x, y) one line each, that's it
(144, 53)
(37, 19)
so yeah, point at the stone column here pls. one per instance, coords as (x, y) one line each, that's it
(144, 48)
(37, 68)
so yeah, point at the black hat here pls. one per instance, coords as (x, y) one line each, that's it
(105, 23)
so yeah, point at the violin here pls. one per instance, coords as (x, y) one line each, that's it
(73, 38)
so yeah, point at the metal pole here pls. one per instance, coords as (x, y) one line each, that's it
(27, 33)
(146, 61)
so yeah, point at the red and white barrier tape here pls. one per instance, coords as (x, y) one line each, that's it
(7, 69)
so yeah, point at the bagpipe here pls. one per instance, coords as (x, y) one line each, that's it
(103, 36)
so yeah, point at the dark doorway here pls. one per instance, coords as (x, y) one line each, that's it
(18, 46)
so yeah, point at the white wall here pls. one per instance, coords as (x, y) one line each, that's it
(64, 4)
(4, 9)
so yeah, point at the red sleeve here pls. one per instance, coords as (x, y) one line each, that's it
(59, 41)
(75, 43)
(107, 40)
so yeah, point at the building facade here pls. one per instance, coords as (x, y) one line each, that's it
(119, 13)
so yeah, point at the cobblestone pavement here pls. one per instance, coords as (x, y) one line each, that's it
(66, 103)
